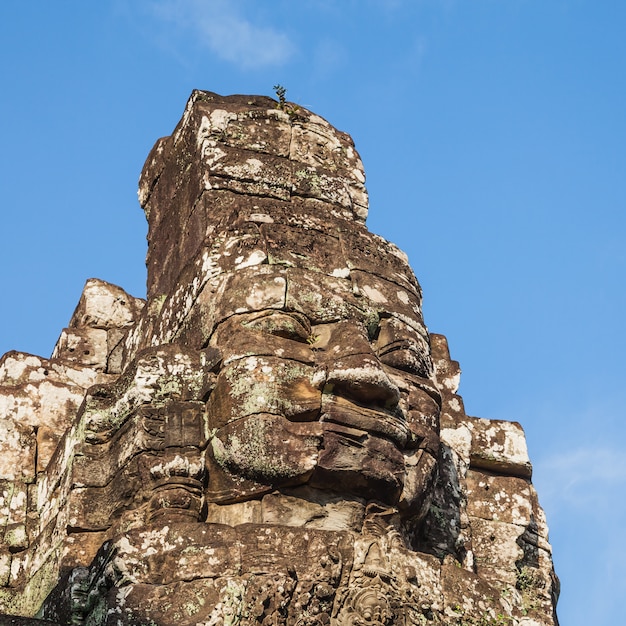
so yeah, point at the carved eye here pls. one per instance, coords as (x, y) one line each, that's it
(403, 348)
(406, 357)
(288, 325)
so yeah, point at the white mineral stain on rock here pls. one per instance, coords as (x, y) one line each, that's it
(12, 369)
(251, 167)
(451, 382)
(256, 257)
(153, 537)
(403, 296)
(342, 272)
(459, 439)
(15, 567)
(211, 154)
(358, 174)
(261, 218)
(373, 294)
(265, 296)
(216, 123)
(318, 378)
(19, 500)
(251, 363)
(220, 119)
(176, 467)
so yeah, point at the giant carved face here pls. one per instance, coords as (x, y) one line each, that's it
(325, 380)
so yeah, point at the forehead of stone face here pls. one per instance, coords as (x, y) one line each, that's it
(365, 299)
(326, 276)
(272, 196)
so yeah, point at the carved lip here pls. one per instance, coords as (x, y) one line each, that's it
(378, 423)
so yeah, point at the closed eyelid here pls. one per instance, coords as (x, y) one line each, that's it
(392, 332)
(410, 361)
(406, 353)
(398, 344)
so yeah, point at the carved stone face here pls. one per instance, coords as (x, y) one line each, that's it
(325, 379)
(334, 388)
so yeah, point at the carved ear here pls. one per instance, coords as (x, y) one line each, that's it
(421, 472)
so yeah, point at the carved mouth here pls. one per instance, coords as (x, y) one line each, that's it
(378, 423)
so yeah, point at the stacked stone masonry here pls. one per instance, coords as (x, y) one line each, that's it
(273, 436)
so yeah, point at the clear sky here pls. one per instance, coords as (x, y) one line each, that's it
(493, 134)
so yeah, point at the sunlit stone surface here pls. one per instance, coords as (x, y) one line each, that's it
(273, 437)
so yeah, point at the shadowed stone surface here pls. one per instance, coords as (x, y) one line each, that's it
(273, 437)
(10, 620)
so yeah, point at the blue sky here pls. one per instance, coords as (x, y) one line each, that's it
(493, 134)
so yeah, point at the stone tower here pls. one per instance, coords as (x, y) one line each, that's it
(273, 436)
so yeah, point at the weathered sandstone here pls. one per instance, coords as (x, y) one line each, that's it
(273, 436)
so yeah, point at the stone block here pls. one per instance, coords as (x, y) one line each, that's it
(83, 346)
(499, 498)
(496, 549)
(103, 305)
(499, 446)
(15, 537)
(18, 444)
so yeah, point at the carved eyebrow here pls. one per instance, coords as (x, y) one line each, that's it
(405, 356)
(403, 348)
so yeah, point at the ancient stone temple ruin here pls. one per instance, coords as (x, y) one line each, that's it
(272, 436)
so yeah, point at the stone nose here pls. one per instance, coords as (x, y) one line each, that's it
(361, 378)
